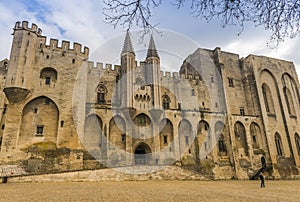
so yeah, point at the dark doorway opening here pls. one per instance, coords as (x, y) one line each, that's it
(141, 154)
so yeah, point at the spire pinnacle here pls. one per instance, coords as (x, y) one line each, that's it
(152, 52)
(127, 46)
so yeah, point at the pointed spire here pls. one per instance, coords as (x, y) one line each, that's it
(127, 47)
(152, 52)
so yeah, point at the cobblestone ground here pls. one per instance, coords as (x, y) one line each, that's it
(152, 191)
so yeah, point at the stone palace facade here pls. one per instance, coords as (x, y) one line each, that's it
(220, 115)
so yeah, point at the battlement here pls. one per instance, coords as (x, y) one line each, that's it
(176, 75)
(98, 66)
(64, 47)
(24, 25)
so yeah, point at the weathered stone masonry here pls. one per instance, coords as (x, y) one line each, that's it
(221, 115)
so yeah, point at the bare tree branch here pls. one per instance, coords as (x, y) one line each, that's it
(280, 17)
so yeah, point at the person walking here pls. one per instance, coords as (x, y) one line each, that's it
(262, 179)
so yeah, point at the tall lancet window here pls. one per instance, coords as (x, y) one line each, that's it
(166, 101)
(101, 94)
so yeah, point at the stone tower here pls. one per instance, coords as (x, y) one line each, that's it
(128, 66)
(19, 75)
(152, 73)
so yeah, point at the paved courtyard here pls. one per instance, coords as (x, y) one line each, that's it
(152, 191)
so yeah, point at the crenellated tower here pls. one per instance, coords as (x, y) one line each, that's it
(152, 72)
(19, 75)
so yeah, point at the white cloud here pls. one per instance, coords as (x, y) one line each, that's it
(82, 22)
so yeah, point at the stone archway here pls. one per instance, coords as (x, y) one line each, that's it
(142, 154)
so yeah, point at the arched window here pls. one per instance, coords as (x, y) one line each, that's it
(166, 101)
(297, 141)
(278, 143)
(268, 99)
(101, 94)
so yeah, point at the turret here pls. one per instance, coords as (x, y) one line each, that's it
(19, 75)
(152, 72)
(128, 66)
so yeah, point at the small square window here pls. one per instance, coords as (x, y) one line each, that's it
(62, 124)
(3, 126)
(216, 104)
(186, 140)
(123, 138)
(47, 80)
(193, 92)
(211, 79)
(230, 82)
(165, 139)
(39, 130)
(35, 110)
(47, 101)
(242, 111)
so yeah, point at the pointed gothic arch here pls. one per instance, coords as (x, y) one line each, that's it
(255, 133)
(289, 101)
(203, 134)
(221, 138)
(166, 133)
(40, 118)
(166, 101)
(117, 132)
(278, 144)
(101, 94)
(240, 137)
(142, 153)
(185, 133)
(93, 132)
(268, 99)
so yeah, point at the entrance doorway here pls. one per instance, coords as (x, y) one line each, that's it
(142, 154)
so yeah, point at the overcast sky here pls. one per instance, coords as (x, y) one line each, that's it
(82, 21)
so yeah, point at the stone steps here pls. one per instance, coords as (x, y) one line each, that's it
(132, 173)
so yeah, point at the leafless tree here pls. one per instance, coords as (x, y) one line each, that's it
(280, 17)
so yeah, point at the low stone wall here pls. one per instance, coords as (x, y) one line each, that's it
(134, 173)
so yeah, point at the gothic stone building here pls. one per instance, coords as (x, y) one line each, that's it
(221, 115)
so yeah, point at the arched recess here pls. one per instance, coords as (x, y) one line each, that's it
(222, 141)
(142, 120)
(93, 135)
(203, 135)
(268, 99)
(49, 74)
(166, 134)
(289, 101)
(240, 137)
(297, 142)
(185, 136)
(142, 153)
(289, 82)
(117, 132)
(278, 144)
(255, 133)
(40, 119)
